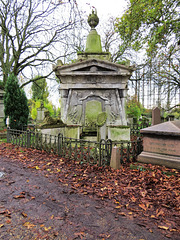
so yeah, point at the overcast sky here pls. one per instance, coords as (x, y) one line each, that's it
(105, 8)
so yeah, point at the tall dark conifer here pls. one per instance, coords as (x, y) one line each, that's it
(15, 104)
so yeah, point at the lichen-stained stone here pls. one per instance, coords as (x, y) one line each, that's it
(92, 85)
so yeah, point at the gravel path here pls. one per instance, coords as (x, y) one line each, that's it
(33, 206)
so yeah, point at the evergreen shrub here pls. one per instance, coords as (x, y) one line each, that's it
(15, 104)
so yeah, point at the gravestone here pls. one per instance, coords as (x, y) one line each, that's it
(40, 114)
(2, 108)
(92, 85)
(161, 144)
(156, 116)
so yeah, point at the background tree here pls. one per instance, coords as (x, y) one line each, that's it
(134, 107)
(29, 32)
(40, 89)
(155, 26)
(154, 23)
(15, 104)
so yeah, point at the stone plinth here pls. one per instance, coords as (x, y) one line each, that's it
(115, 158)
(161, 144)
(119, 133)
(73, 131)
(53, 131)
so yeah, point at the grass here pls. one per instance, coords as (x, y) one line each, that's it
(3, 140)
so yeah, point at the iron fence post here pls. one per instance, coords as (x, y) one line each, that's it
(100, 152)
(108, 150)
(139, 146)
(8, 135)
(60, 139)
(28, 139)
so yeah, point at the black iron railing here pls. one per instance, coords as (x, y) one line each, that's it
(135, 128)
(91, 152)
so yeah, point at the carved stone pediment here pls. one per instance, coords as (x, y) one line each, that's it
(93, 67)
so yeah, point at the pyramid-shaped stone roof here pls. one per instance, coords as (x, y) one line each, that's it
(166, 128)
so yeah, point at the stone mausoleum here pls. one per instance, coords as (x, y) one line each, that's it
(93, 92)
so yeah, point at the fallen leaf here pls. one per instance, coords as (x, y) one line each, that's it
(19, 196)
(80, 234)
(1, 225)
(159, 212)
(56, 234)
(47, 228)
(120, 206)
(28, 225)
(104, 236)
(143, 206)
(2, 212)
(49, 163)
(24, 214)
(173, 230)
(122, 213)
(163, 227)
(133, 199)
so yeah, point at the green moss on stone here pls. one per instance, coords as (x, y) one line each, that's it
(93, 42)
(72, 131)
(93, 108)
(101, 119)
(119, 126)
(118, 133)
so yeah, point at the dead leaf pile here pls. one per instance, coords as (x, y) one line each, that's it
(146, 192)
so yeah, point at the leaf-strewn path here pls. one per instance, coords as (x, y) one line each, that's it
(43, 196)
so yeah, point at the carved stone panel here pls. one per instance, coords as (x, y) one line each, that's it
(92, 109)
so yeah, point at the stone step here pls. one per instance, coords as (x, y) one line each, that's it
(160, 159)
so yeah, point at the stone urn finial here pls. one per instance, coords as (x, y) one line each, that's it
(93, 19)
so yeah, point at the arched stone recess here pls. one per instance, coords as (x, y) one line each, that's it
(92, 105)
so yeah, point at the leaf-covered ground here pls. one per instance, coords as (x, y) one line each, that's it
(138, 201)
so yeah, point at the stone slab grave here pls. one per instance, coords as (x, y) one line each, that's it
(161, 144)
